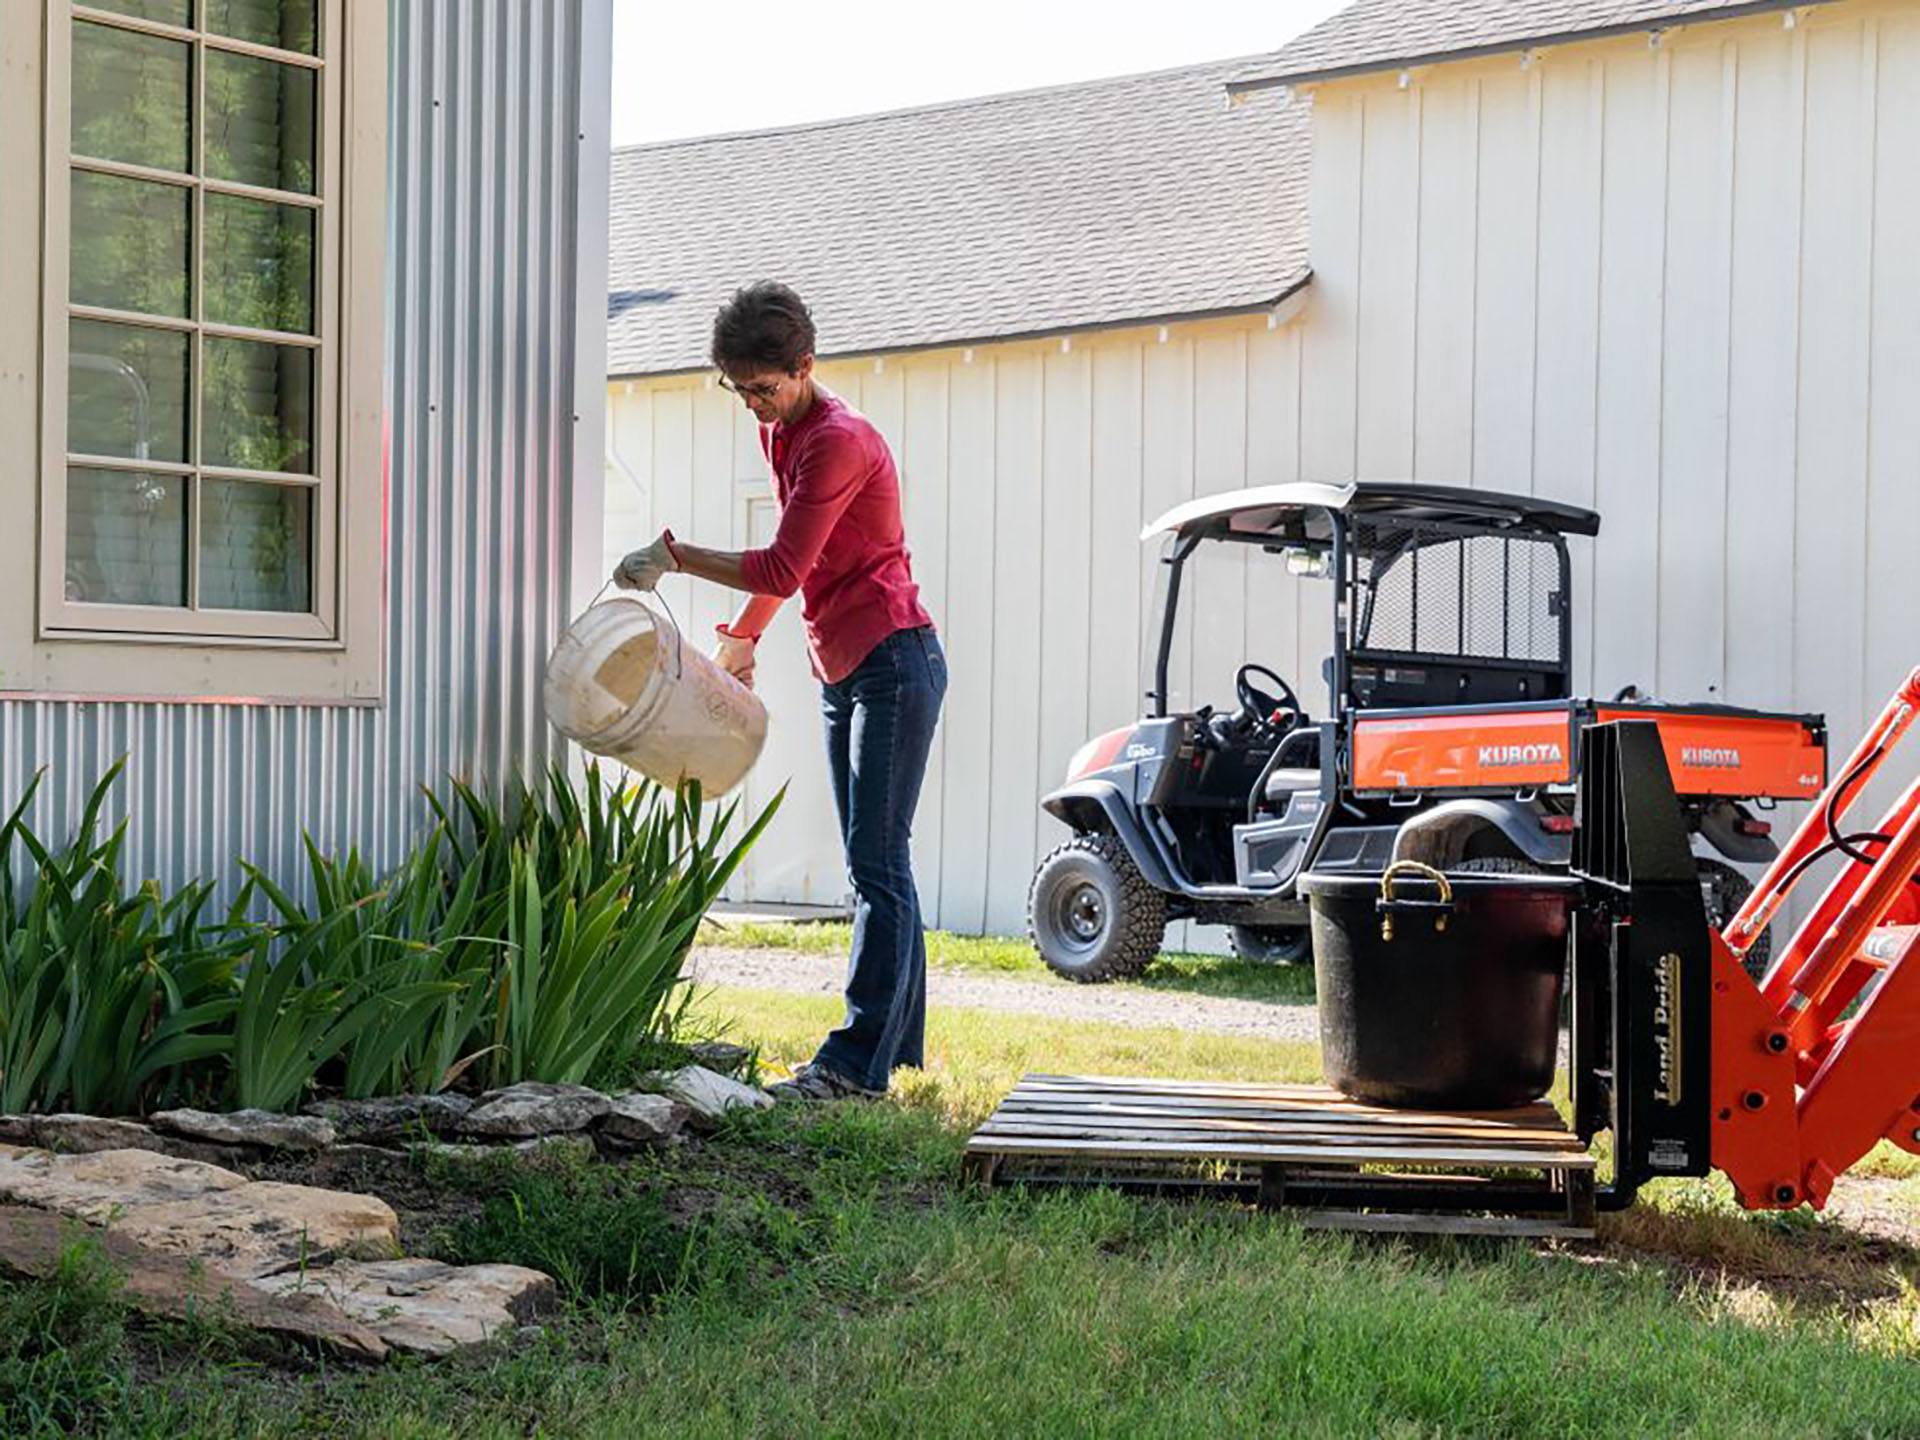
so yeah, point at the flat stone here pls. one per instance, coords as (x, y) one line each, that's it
(263, 1129)
(707, 1095)
(350, 1153)
(641, 1118)
(397, 1118)
(38, 1242)
(193, 1238)
(105, 1186)
(534, 1107)
(84, 1134)
(723, 1057)
(263, 1227)
(578, 1147)
(452, 1150)
(425, 1306)
(16, 1129)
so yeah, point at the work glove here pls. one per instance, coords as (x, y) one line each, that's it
(643, 568)
(734, 654)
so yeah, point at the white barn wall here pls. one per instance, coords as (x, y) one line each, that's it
(1028, 471)
(1679, 283)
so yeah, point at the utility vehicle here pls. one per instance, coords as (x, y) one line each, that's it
(1451, 734)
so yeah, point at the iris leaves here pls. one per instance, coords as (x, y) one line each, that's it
(535, 936)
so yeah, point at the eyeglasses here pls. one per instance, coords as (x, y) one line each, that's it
(764, 390)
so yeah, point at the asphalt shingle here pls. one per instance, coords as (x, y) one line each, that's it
(1383, 34)
(1134, 199)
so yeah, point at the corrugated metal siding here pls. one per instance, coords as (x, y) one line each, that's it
(1028, 471)
(485, 119)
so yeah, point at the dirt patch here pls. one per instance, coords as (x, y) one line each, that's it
(826, 975)
(1863, 1250)
(695, 1178)
(1877, 1207)
(426, 1209)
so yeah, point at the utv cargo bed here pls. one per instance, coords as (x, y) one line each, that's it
(1497, 749)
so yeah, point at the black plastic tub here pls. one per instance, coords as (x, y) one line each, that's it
(1440, 992)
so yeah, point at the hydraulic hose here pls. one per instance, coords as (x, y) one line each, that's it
(1847, 845)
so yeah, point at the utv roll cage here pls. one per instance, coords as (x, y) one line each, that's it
(1442, 595)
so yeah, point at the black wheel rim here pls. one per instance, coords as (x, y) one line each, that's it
(1079, 915)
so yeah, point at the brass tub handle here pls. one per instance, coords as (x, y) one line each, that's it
(1387, 905)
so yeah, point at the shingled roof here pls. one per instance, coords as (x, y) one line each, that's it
(1389, 34)
(1140, 199)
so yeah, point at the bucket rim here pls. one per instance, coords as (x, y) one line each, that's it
(638, 716)
(1344, 886)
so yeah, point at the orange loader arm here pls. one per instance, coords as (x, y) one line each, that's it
(1801, 1087)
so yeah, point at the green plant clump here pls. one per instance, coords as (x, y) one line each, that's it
(538, 937)
(61, 1343)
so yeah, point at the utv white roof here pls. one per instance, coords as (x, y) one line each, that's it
(1261, 511)
(1251, 510)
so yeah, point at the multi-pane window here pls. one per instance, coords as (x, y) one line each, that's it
(199, 247)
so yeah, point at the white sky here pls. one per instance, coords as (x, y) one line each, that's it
(703, 67)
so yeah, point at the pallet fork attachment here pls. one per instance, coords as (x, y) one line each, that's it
(1782, 1085)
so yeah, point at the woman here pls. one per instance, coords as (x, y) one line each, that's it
(881, 670)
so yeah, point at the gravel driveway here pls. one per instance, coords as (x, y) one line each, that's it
(970, 990)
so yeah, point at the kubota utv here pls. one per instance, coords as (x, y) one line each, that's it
(1452, 736)
(1440, 1012)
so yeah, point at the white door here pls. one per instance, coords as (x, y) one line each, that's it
(798, 860)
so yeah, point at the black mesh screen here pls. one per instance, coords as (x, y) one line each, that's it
(1436, 592)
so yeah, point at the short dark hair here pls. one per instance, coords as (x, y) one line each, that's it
(765, 327)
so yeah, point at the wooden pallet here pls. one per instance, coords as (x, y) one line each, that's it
(1333, 1161)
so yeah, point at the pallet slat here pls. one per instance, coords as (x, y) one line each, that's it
(1122, 1148)
(1252, 1118)
(1317, 1095)
(1337, 1156)
(1317, 1098)
(1412, 1141)
(1376, 1223)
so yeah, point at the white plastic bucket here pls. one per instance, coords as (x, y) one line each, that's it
(623, 683)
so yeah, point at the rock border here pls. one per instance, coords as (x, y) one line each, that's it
(320, 1265)
(515, 1117)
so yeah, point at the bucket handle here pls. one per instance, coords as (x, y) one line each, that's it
(659, 609)
(673, 623)
(1388, 906)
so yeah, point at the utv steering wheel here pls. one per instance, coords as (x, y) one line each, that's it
(1257, 705)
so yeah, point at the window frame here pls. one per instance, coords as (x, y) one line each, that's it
(58, 614)
(50, 645)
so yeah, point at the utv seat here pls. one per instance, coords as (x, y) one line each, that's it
(1290, 781)
(1299, 767)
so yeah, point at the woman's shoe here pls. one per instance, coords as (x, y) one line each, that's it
(814, 1081)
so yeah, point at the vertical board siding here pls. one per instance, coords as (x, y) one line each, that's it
(967, 628)
(1506, 258)
(1027, 474)
(484, 119)
(1567, 316)
(1679, 283)
(1893, 438)
(1012, 597)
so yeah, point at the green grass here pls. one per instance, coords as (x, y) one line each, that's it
(824, 1271)
(60, 1341)
(974, 1056)
(997, 955)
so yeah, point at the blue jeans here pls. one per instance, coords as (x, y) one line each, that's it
(880, 722)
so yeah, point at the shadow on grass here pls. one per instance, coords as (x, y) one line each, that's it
(1230, 978)
(1856, 1265)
